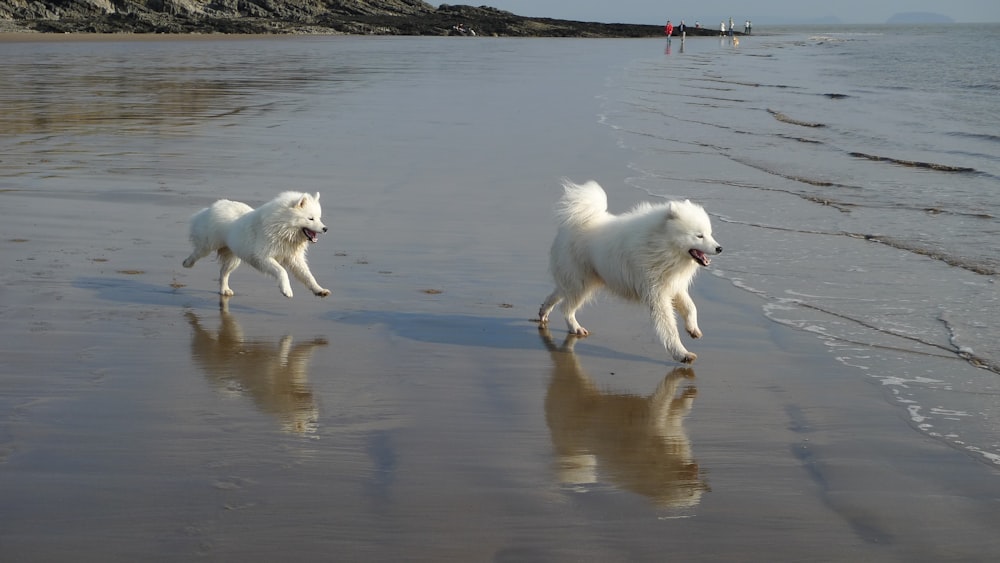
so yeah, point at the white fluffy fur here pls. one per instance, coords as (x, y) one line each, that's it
(646, 255)
(270, 238)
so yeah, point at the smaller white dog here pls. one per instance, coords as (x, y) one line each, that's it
(649, 255)
(270, 238)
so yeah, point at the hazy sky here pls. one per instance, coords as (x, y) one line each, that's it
(759, 11)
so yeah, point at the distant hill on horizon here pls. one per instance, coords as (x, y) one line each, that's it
(919, 17)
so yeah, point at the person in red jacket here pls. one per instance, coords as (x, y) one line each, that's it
(669, 30)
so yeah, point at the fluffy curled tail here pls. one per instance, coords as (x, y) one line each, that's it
(581, 204)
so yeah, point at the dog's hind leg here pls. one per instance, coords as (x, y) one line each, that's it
(550, 302)
(571, 303)
(227, 263)
(300, 269)
(685, 306)
(666, 328)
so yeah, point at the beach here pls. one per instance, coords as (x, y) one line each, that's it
(418, 413)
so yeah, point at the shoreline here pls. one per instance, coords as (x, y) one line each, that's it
(39, 36)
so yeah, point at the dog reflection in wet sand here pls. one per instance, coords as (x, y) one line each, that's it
(635, 443)
(275, 376)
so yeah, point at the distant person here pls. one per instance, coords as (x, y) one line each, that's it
(732, 26)
(746, 28)
(697, 24)
(682, 29)
(722, 29)
(669, 30)
(749, 27)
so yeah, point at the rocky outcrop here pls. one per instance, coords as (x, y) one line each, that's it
(385, 17)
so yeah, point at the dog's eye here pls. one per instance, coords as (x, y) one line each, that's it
(701, 236)
(312, 219)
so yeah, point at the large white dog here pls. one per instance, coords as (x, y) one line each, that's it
(270, 238)
(649, 255)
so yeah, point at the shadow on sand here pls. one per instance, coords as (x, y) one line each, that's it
(125, 290)
(468, 330)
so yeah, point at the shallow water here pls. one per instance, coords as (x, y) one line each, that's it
(856, 173)
(416, 413)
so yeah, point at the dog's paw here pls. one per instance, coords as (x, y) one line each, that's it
(579, 331)
(543, 314)
(226, 292)
(695, 332)
(287, 293)
(188, 262)
(321, 292)
(687, 358)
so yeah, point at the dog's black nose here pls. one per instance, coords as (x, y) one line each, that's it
(324, 230)
(718, 249)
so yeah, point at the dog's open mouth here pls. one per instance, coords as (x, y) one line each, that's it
(311, 235)
(699, 257)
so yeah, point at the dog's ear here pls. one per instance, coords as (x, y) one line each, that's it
(303, 201)
(671, 211)
(317, 196)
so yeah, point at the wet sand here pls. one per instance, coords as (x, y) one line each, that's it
(418, 413)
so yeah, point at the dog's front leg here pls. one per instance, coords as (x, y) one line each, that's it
(685, 306)
(300, 269)
(666, 328)
(272, 267)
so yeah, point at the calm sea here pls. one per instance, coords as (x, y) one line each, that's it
(854, 173)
